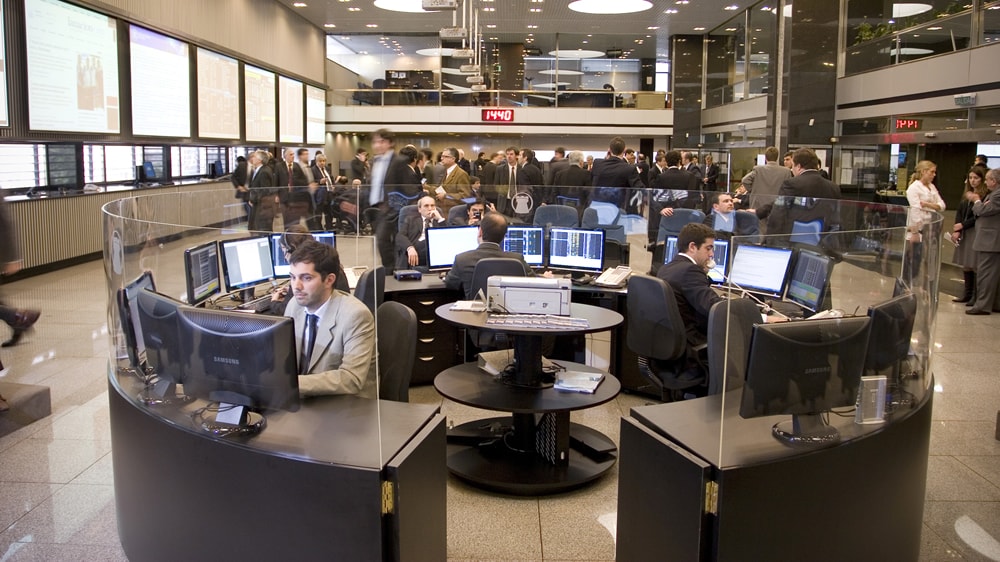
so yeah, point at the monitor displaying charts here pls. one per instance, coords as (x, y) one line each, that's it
(529, 241)
(716, 274)
(443, 244)
(809, 280)
(573, 249)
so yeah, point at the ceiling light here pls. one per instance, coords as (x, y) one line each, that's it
(408, 6)
(371, 25)
(561, 72)
(907, 9)
(765, 8)
(681, 2)
(935, 28)
(491, 26)
(605, 7)
(354, 9)
(536, 10)
(731, 7)
(730, 29)
(653, 27)
(436, 52)
(489, 9)
(699, 29)
(329, 25)
(530, 26)
(576, 54)
(300, 4)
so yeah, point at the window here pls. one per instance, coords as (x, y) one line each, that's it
(119, 163)
(22, 165)
(93, 163)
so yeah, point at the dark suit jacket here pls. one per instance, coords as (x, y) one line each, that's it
(712, 175)
(359, 170)
(239, 177)
(409, 235)
(615, 172)
(555, 168)
(281, 174)
(987, 223)
(695, 169)
(677, 179)
(693, 291)
(572, 176)
(261, 184)
(299, 177)
(460, 275)
(797, 201)
(531, 174)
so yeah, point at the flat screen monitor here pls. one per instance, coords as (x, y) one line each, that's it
(443, 244)
(760, 269)
(128, 314)
(892, 327)
(161, 92)
(201, 272)
(158, 320)
(281, 265)
(246, 262)
(810, 279)
(573, 249)
(718, 273)
(529, 241)
(238, 358)
(803, 369)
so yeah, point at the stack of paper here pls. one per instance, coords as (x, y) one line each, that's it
(577, 381)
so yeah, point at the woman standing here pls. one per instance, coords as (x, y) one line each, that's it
(923, 198)
(964, 232)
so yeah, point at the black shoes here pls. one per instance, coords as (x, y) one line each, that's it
(974, 312)
(23, 321)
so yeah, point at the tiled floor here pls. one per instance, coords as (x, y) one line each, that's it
(56, 493)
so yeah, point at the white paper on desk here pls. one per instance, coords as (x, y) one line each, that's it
(229, 413)
(578, 381)
(469, 306)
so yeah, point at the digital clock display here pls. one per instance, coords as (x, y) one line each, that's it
(908, 124)
(498, 115)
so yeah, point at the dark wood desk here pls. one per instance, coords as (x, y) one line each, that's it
(439, 344)
(343, 478)
(536, 450)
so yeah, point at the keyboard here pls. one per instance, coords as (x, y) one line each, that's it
(257, 305)
(538, 321)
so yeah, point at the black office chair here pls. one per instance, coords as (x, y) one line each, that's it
(615, 253)
(730, 325)
(656, 334)
(488, 267)
(747, 224)
(556, 215)
(397, 347)
(591, 221)
(371, 288)
(457, 212)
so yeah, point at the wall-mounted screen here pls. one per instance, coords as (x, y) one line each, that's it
(161, 89)
(315, 115)
(290, 103)
(72, 57)
(218, 96)
(4, 120)
(258, 91)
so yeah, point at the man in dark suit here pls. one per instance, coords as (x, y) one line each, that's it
(711, 178)
(687, 275)
(411, 240)
(672, 188)
(691, 166)
(284, 171)
(492, 230)
(488, 175)
(325, 185)
(359, 166)
(264, 197)
(239, 179)
(805, 197)
(987, 247)
(612, 173)
(557, 164)
(389, 173)
(509, 182)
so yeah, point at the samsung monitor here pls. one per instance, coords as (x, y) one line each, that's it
(201, 272)
(128, 315)
(718, 273)
(760, 269)
(892, 328)
(281, 265)
(809, 281)
(803, 369)
(444, 243)
(529, 241)
(573, 249)
(158, 321)
(246, 262)
(238, 358)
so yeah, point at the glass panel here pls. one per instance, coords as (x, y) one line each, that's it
(944, 36)
(119, 163)
(991, 24)
(874, 45)
(93, 163)
(763, 23)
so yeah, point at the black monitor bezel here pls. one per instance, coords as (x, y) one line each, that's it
(225, 265)
(541, 229)
(275, 239)
(173, 377)
(791, 276)
(548, 250)
(761, 290)
(188, 279)
(145, 280)
(438, 231)
(725, 264)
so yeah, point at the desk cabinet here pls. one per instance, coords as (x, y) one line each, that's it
(438, 343)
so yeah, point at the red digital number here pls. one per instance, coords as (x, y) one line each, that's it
(498, 115)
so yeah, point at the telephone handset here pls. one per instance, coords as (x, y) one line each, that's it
(614, 276)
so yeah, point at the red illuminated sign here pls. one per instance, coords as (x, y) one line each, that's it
(908, 124)
(498, 115)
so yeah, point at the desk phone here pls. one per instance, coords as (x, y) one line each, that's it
(614, 276)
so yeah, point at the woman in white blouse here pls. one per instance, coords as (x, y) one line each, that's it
(923, 198)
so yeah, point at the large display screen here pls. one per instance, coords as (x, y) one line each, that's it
(315, 115)
(4, 120)
(161, 88)
(72, 57)
(218, 96)
(258, 87)
(290, 102)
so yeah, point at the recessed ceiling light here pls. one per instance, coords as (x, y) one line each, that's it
(354, 9)
(699, 29)
(329, 25)
(371, 25)
(489, 9)
(730, 29)
(300, 4)
(408, 6)
(531, 26)
(731, 7)
(605, 7)
(491, 26)
(653, 27)
(670, 11)
(576, 54)
(681, 2)
(935, 28)
(536, 10)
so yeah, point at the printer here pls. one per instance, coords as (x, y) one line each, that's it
(528, 295)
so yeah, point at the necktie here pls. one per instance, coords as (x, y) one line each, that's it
(423, 233)
(289, 175)
(512, 185)
(308, 341)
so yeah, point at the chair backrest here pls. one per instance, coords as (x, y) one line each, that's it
(655, 327)
(607, 213)
(672, 225)
(747, 224)
(556, 215)
(397, 347)
(457, 212)
(806, 232)
(405, 213)
(730, 325)
(591, 221)
(487, 267)
(615, 253)
(371, 288)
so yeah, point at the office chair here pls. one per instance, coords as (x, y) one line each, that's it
(806, 232)
(747, 224)
(615, 253)
(485, 268)
(405, 213)
(656, 334)
(591, 221)
(455, 213)
(672, 225)
(730, 325)
(556, 215)
(396, 326)
(371, 288)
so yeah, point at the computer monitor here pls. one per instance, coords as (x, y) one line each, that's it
(810, 279)
(760, 269)
(803, 369)
(892, 327)
(201, 272)
(281, 265)
(246, 262)
(718, 273)
(444, 243)
(238, 358)
(157, 315)
(573, 249)
(128, 315)
(529, 241)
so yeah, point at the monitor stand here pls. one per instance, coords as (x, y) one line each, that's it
(161, 392)
(805, 429)
(232, 416)
(247, 295)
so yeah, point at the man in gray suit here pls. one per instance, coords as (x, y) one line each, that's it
(334, 332)
(987, 245)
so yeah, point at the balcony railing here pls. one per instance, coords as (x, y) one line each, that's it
(509, 98)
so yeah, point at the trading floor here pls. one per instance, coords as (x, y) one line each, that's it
(57, 498)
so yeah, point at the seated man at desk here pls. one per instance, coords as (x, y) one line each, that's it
(411, 240)
(492, 230)
(334, 332)
(723, 216)
(687, 275)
